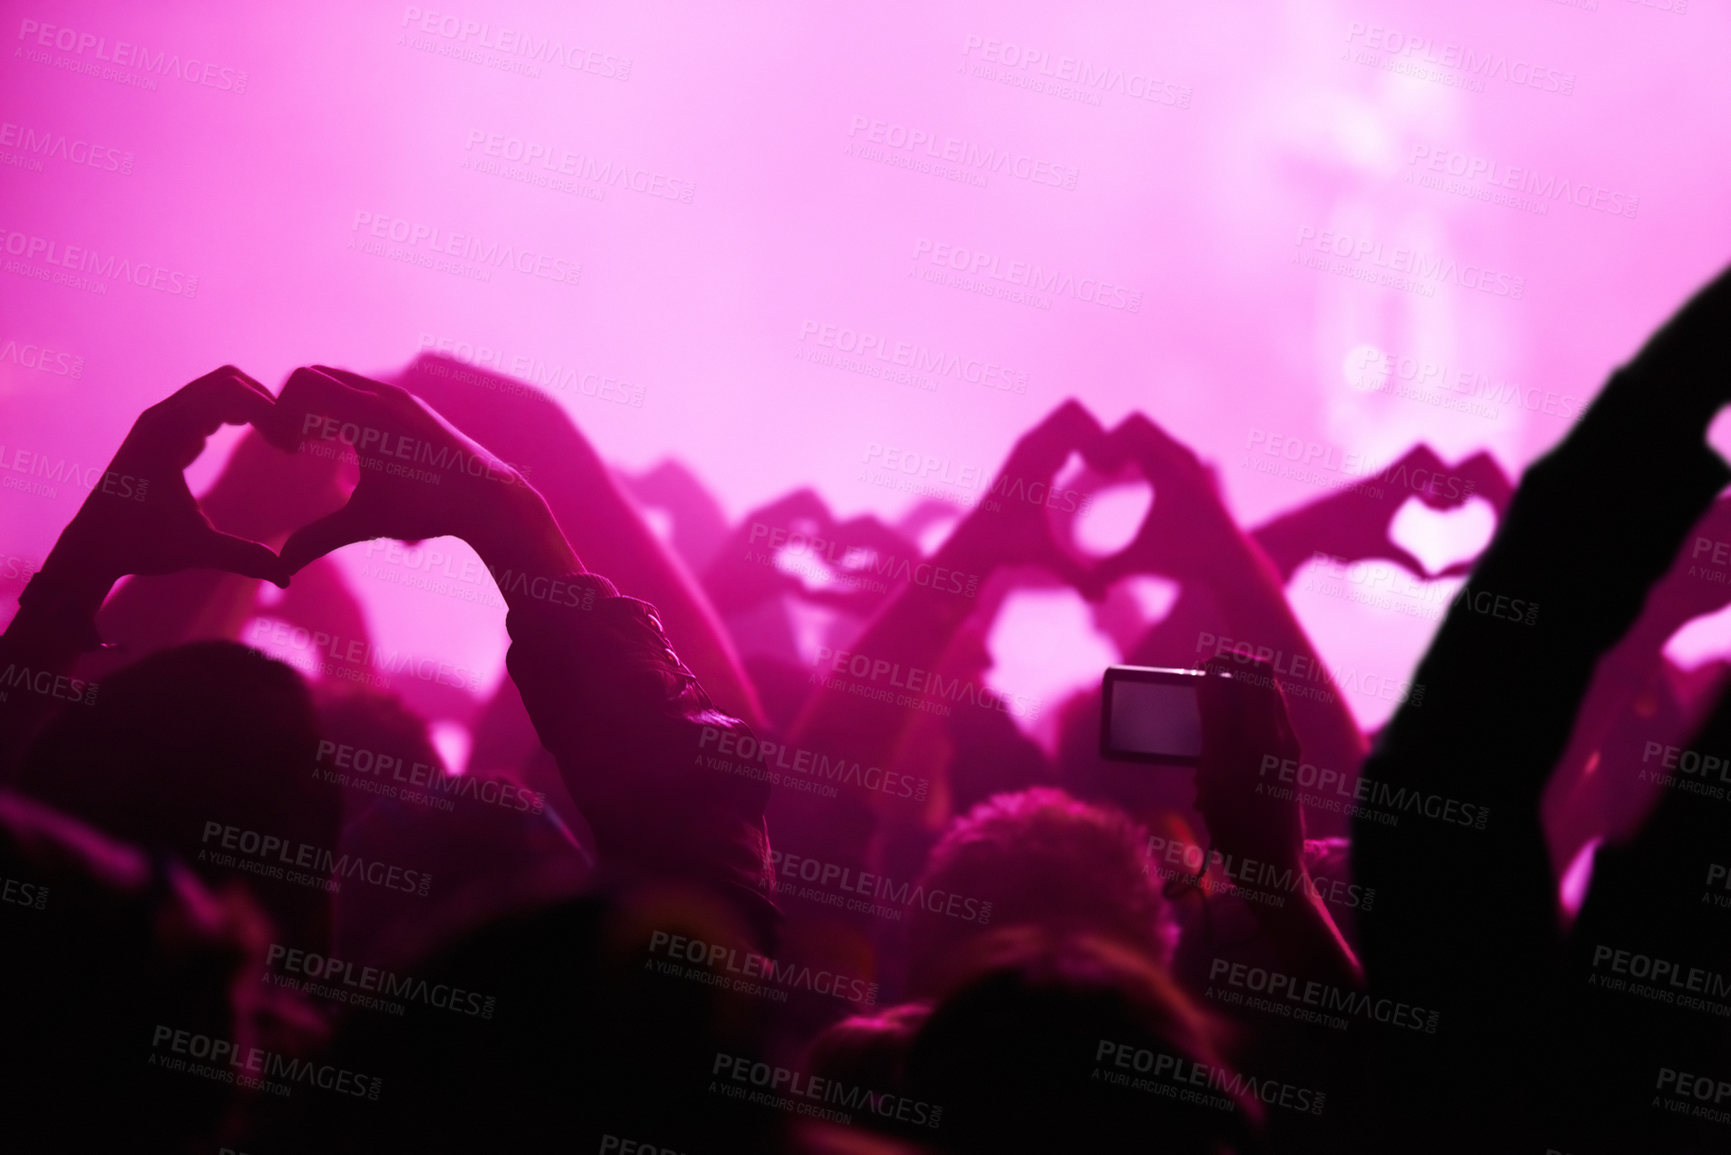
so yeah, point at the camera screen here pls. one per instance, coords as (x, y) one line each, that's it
(1154, 718)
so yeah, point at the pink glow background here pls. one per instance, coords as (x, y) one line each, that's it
(701, 305)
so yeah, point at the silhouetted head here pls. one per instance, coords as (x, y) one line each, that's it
(1039, 858)
(203, 750)
(1053, 1042)
(574, 1023)
(116, 967)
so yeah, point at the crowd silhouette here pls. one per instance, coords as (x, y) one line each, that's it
(699, 885)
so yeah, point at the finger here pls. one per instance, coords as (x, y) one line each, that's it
(181, 425)
(311, 399)
(380, 389)
(1068, 427)
(311, 542)
(237, 555)
(1489, 480)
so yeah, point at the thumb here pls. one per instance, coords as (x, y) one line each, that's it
(237, 555)
(331, 532)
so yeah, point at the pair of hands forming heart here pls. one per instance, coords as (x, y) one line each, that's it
(1182, 535)
(1188, 534)
(419, 478)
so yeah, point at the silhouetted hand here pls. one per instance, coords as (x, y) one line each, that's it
(266, 494)
(1352, 524)
(1187, 533)
(1017, 529)
(419, 476)
(141, 518)
(1246, 734)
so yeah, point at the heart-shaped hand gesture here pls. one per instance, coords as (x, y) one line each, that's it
(1011, 525)
(1187, 532)
(1353, 524)
(141, 518)
(419, 476)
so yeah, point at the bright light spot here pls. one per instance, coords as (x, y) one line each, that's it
(1701, 640)
(1719, 434)
(1155, 596)
(1365, 368)
(660, 523)
(811, 627)
(1112, 516)
(936, 534)
(1438, 538)
(1044, 648)
(1578, 878)
(452, 741)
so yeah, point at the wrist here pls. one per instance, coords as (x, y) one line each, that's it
(520, 534)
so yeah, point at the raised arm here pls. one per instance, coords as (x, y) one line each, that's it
(523, 426)
(139, 519)
(1466, 920)
(623, 717)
